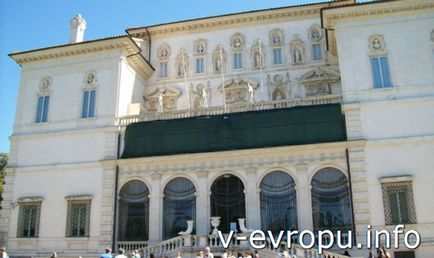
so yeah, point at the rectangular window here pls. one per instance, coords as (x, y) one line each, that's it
(380, 72)
(163, 70)
(28, 219)
(238, 61)
(78, 218)
(277, 56)
(42, 109)
(398, 203)
(316, 52)
(88, 109)
(199, 65)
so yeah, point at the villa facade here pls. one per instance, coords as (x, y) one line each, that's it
(307, 117)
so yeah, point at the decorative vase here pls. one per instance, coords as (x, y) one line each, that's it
(215, 222)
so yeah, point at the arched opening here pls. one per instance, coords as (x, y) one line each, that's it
(228, 202)
(331, 205)
(278, 202)
(179, 205)
(134, 212)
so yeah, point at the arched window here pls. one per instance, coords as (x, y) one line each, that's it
(134, 212)
(228, 202)
(179, 205)
(278, 202)
(331, 206)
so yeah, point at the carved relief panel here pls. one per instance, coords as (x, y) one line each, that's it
(239, 91)
(162, 99)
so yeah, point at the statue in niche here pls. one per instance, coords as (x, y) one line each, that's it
(297, 89)
(219, 59)
(278, 86)
(297, 50)
(201, 96)
(257, 60)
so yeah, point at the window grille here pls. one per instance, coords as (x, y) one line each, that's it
(78, 218)
(28, 219)
(398, 203)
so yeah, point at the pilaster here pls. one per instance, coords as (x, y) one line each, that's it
(155, 207)
(253, 217)
(304, 199)
(352, 121)
(362, 215)
(107, 207)
(202, 204)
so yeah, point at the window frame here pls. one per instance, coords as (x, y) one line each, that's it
(202, 70)
(23, 204)
(166, 71)
(380, 71)
(71, 202)
(234, 62)
(389, 187)
(274, 57)
(320, 51)
(42, 108)
(87, 115)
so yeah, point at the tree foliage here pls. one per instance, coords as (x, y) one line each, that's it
(3, 163)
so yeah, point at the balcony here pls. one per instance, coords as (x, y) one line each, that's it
(242, 126)
(230, 108)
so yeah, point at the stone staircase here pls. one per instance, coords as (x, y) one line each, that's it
(189, 246)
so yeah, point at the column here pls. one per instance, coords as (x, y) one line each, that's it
(155, 207)
(253, 218)
(304, 199)
(202, 204)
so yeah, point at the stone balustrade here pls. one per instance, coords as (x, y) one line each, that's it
(132, 245)
(195, 243)
(232, 108)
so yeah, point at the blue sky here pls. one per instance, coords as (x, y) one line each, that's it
(28, 25)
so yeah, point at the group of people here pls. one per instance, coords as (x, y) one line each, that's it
(226, 254)
(121, 254)
(206, 253)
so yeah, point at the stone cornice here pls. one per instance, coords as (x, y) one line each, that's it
(244, 158)
(124, 43)
(331, 16)
(259, 16)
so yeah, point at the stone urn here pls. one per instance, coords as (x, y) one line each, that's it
(215, 222)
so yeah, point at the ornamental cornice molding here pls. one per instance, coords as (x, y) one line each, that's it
(125, 43)
(334, 15)
(277, 156)
(277, 15)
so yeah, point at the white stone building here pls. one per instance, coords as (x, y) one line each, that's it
(304, 117)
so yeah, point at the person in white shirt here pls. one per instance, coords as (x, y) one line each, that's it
(3, 253)
(208, 253)
(121, 254)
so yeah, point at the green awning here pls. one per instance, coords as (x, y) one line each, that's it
(246, 130)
